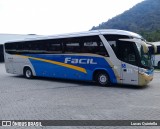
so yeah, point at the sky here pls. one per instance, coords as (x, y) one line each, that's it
(48, 17)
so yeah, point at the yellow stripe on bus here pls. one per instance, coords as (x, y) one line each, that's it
(57, 63)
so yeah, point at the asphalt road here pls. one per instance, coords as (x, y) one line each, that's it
(53, 99)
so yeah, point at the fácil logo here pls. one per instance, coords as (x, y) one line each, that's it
(79, 61)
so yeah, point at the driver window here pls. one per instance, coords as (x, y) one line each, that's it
(124, 50)
(127, 52)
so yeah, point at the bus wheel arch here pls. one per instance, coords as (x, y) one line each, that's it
(101, 77)
(27, 72)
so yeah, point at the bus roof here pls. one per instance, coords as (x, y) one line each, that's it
(156, 46)
(156, 43)
(86, 33)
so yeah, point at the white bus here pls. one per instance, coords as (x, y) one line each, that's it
(157, 54)
(103, 56)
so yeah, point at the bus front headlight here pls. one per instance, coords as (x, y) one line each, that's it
(142, 71)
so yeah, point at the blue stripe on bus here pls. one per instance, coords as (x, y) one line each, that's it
(53, 70)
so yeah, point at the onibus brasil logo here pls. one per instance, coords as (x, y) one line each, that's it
(21, 123)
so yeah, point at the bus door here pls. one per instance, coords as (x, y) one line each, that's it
(129, 64)
(129, 74)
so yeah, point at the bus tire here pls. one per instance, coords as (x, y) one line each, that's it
(28, 73)
(102, 78)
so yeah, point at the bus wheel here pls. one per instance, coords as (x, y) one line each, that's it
(102, 78)
(28, 73)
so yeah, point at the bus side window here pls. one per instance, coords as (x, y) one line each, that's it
(9, 48)
(72, 47)
(128, 54)
(86, 44)
(90, 47)
(54, 48)
(102, 51)
(94, 45)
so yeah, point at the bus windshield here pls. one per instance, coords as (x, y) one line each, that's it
(145, 56)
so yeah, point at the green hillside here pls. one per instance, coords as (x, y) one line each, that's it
(143, 18)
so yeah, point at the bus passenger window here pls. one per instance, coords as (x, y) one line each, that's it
(55, 48)
(72, 47)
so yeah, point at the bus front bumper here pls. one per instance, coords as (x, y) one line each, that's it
(144, 78)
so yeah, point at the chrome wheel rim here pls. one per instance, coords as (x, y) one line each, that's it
(102, 79)
(28, 74)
